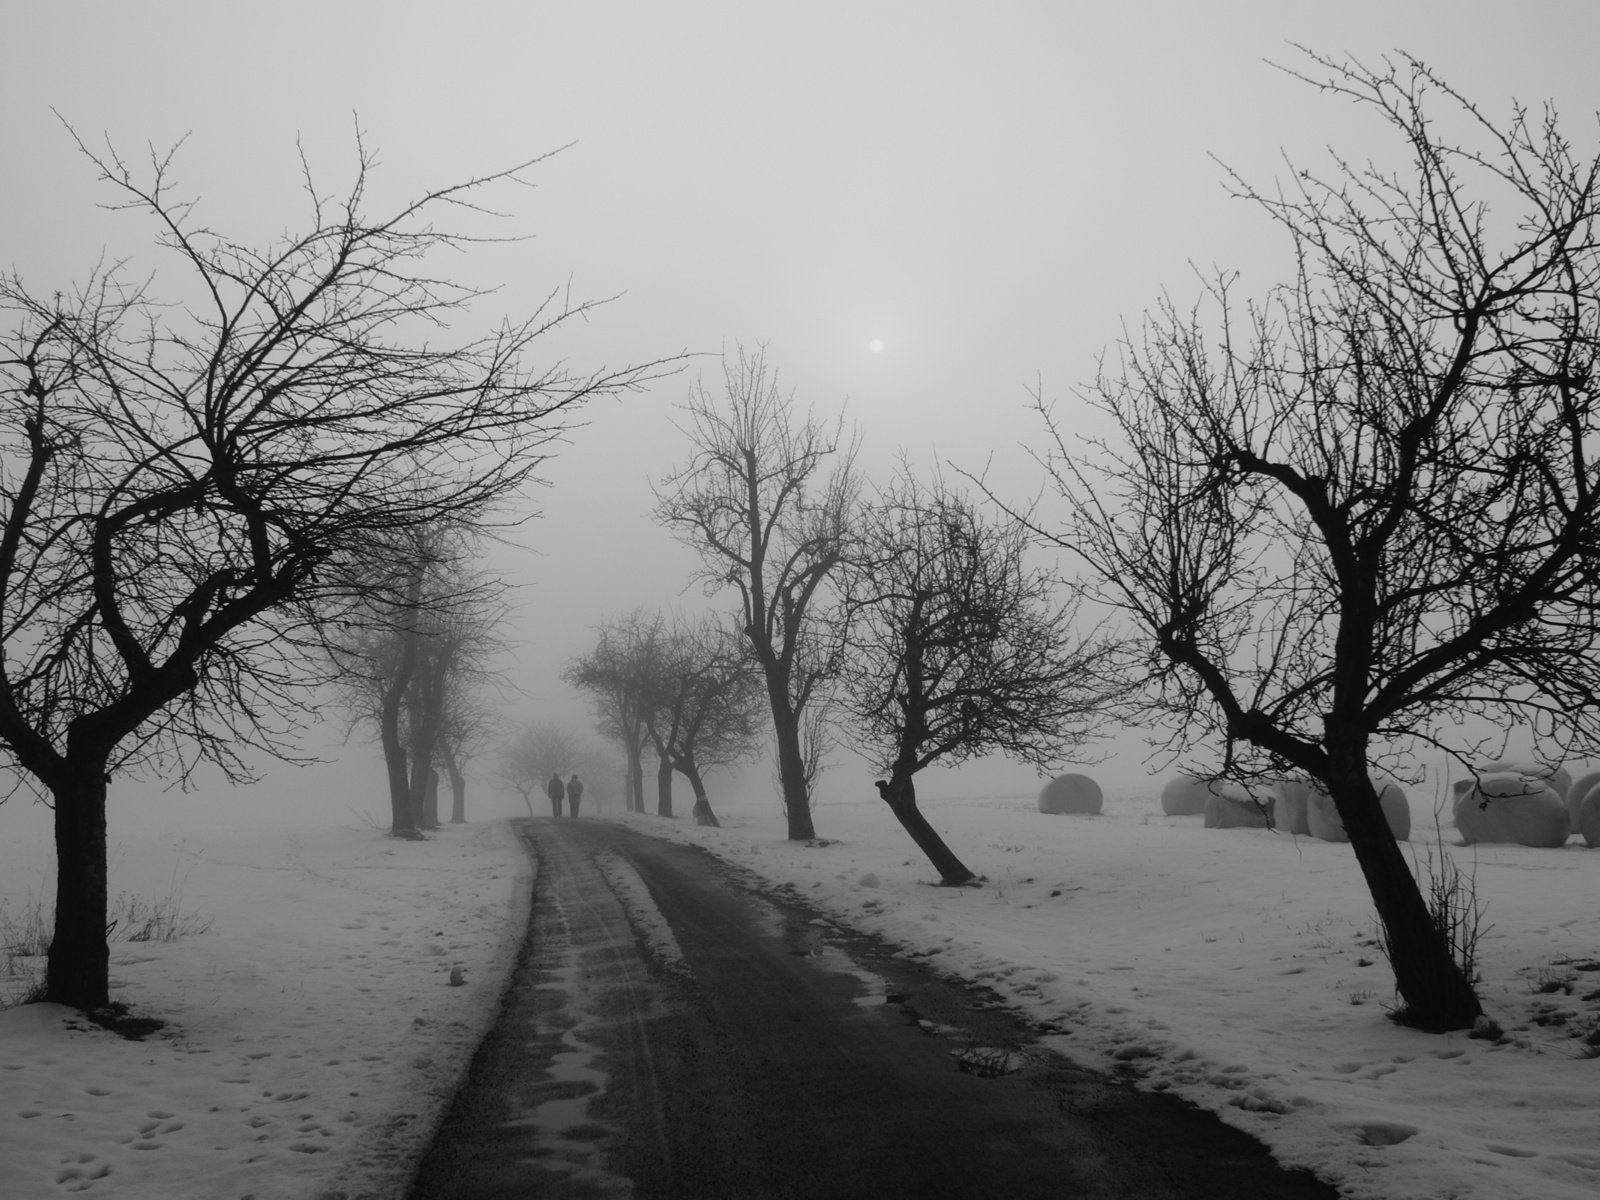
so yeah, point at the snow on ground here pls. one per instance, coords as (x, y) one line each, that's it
(314, 1035)
(1238, 969)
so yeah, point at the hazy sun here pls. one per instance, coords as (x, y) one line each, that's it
(876, 345)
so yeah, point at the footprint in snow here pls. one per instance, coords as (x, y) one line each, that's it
(80, 1172)
(1386, 1133)
(1510, 1151)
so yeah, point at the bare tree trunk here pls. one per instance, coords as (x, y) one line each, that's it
(663, 786)
(458, 784)
(394, 753)
(635, 778)
(792, 769)
(425, 740)
(430, 801)
(702, 806)
(1438, 995)
(901, 795)
(78, 967)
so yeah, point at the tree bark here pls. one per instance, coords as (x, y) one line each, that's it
(425, 739)
(901, 796)
(430, 801)
(394, 759)
(458, 785)
(402, 816)
(664, 787)
(636, 780)
(792, 769)
(78, 966)
(1437, 994)
(702, 806)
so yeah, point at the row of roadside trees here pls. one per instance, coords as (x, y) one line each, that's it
(414, 662)
(1337, 521)
(911, 621)
(686, 690)
(1341, 524)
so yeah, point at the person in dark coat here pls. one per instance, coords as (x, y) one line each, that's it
(557, 792)
(574, 794)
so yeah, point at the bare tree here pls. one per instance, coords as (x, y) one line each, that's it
(1359, 514)
(457, 644)
(766, 500)
(425, 622)
(957, 649)
(456, 639)
(620, 676)
(539, 751)
(715, 694)
(181, 477)
(471, 721)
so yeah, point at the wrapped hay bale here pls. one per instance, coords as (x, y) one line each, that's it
(1506, 806)
(1588, 822)
(1578, 793)
(1232, 806)
(1185, 796)
(1071, 794)
(1557, 777)
(1291, 798)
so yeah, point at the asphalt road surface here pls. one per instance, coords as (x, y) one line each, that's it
(674, 1028)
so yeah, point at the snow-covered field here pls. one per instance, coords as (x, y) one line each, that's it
(315, 1036)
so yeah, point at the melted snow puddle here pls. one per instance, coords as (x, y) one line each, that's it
(807, 938)
(569, 1141)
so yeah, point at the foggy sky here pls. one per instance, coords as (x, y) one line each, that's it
(988, 189)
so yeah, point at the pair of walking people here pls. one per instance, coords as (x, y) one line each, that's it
(571, 792)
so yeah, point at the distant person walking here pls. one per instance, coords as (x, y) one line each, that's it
(574, 794)
(556, 791)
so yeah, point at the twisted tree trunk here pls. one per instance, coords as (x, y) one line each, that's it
(901, 796)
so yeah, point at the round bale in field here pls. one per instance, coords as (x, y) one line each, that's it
(1509, 807)
(1291, 798)
(1556, 777)
(1588, 822)
(1076, 794)
(1324, 822)
(1185, 796)
(1232, 806)
(1578, 793)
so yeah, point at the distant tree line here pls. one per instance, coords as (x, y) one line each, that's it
(910, 622)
